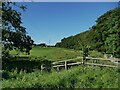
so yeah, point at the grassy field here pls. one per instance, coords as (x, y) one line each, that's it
(27, 73)
(55, 54)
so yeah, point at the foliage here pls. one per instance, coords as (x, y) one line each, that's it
(85, 52)
(95, 54)
(104, 36)
(13, 33)
(108, 24)
(25, 72)
(78, 77)
(41, 45)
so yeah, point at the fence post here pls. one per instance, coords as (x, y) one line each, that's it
(58, 68)
(42, 67)
(82, 60)
(92, 62)
(118, 62)
(65, 65)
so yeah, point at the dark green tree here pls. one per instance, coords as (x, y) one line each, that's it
(109, 26)
(103, 37)
(13, 33)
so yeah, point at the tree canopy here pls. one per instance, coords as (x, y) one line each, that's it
(104, 36)
(13, 33)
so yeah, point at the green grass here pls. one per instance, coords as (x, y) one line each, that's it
(55, 54)
(77, 77)
(21, 73)
(95, 54)
(52, 53)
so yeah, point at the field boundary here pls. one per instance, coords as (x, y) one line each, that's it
(75, 61)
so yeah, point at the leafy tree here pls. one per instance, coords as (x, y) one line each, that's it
(58, 44)
(104, 36)
(109, 26)
(13, 33)
(42, 45)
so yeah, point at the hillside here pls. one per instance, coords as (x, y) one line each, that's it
(104, 36)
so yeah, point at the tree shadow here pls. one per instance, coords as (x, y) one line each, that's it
(24, 64)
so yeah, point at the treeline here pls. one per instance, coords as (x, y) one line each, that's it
(43, 45)
(103, 37)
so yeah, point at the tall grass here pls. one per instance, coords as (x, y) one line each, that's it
(24, 72)
(77, 77)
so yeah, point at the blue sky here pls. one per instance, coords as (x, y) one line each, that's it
(49, 22)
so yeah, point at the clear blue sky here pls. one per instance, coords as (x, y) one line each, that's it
(49, 22)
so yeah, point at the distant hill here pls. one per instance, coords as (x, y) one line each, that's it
(104, 36)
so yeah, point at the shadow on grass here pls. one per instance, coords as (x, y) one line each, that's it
(25, 64)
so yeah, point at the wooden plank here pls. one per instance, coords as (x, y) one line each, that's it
(58, 65)
(70, 64)
(42, 67)
(58, 68)
(97, 58)
(67, 60)
(117, 60)
(77, 63)
(81, 58)
(74, 63)
(100, 65)
(65, 65)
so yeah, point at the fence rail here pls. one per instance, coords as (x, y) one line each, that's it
(66, 63)
(67, 60)
(103, 65)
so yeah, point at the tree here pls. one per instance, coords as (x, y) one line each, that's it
(109, 25)
(103, 37)
(42, 45)
(58, 44)
(13, 33)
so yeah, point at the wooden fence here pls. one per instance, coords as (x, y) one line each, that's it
(71, 62)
